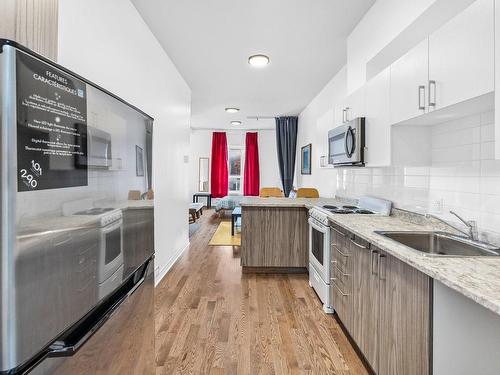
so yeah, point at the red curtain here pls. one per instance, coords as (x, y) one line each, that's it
(251, 178)
(218, 175)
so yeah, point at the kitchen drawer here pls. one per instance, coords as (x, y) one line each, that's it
(340, 301)
(338, 236)
(341, 257)
(341, 278)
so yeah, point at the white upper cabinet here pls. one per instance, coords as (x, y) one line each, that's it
(351, 107)
(377, 120)
(409, 78)
(461, 57)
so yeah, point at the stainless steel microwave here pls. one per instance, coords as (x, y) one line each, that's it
(346, 143)
(99, 148)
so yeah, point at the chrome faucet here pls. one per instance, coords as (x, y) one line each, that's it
(472, 233)
(471, 224)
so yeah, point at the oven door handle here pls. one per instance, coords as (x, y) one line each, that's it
(111, 227)
(313, 224)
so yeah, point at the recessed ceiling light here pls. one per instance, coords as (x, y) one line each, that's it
(232, 110)
(235, 123)
(258, 61)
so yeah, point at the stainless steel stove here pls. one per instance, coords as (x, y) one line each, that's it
(108, 215)
(319, 240)
(111, 263)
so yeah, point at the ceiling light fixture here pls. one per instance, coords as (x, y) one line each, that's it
(232, 110)
(258, 61)
(235, 123)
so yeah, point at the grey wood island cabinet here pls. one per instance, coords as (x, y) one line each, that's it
(274, 239)
(275, 233)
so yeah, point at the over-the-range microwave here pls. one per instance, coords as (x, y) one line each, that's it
(346, 143)
(99, 148)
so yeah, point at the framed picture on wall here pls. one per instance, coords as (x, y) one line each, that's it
(305, 159)
(139, 161)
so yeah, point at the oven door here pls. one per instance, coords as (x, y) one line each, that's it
(111, 257)
(319, 251)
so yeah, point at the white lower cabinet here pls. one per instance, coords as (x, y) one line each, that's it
(465, 331)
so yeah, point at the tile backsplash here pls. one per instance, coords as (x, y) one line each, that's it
(463, 175)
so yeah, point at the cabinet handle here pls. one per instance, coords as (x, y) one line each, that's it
(421, 98)
(432, 98)
(374, 255)
(344, 116)
(346, 113)
(341, 292)
(357, 244)
(342, 273)
(339, 232)
(380, 266)
(341, 253)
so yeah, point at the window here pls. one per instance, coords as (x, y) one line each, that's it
(235, 176)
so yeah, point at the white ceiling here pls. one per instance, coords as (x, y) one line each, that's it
(210, 40)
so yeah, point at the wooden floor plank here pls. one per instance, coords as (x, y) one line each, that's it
(213, 319)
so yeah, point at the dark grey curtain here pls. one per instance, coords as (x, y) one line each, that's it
(286, 143)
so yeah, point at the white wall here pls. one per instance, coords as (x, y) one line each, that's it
(314, 122)
(109, 43)
(201, 146)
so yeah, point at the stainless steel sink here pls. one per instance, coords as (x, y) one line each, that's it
(441, 244)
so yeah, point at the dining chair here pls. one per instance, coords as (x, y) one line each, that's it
(307, 193)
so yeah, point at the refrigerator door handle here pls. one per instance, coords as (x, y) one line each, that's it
(70, 342)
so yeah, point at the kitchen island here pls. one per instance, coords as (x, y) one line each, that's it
(274, 234)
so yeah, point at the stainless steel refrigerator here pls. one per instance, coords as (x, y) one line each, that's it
(77, 227)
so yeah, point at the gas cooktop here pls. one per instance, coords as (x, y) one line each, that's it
(346, 209)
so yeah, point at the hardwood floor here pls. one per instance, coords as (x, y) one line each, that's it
(213, 319)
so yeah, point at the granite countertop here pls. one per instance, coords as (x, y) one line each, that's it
(477, 278)
(134, 204)
(286, 202)
(48, 222)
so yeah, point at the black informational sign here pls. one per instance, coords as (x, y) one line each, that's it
(51, 127)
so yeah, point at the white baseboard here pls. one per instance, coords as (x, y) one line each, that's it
(160, 273)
